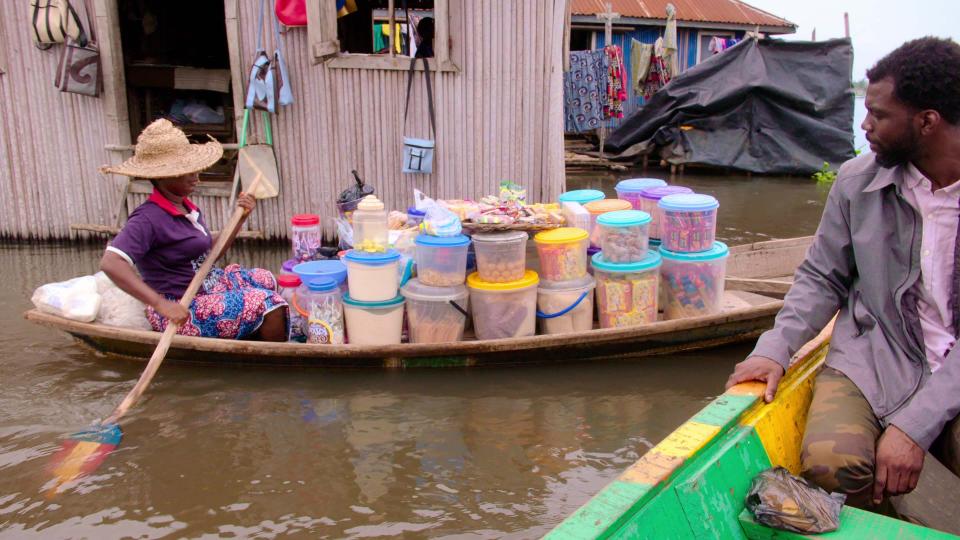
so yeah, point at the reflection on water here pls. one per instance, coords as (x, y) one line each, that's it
(484, 453)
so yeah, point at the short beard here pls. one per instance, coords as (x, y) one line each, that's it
(903, 151)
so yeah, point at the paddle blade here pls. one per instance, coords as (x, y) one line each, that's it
(83, 452)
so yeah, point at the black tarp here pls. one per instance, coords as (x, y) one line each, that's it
(764, 106)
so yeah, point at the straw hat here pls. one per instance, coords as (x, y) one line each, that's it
(163, 151)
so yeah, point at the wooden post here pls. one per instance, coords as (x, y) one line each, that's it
(391, 7)
(846, 24)
(813, 36)
(607, 17)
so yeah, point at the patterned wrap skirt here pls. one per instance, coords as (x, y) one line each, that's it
(231, 304)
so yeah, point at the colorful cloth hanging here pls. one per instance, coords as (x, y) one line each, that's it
(585, 90)
(616, 83)
(659, 74)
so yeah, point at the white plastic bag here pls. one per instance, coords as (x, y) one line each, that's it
(437, 221)
(76, 299)
(118, 308)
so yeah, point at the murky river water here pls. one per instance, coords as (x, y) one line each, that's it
(260, 453)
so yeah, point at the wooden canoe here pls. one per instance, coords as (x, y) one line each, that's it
(749, 309)
(694, 482)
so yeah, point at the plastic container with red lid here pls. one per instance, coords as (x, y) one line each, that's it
(305, 236)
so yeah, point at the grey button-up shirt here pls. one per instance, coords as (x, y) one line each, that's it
(864, 262)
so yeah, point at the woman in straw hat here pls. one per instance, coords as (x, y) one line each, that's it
(167, 240)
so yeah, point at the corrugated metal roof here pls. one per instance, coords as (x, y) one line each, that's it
(719, 11)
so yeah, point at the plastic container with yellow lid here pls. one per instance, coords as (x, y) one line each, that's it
(562, 253)
(506, 309)
(598, 208)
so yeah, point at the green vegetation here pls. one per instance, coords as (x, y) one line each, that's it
(825, 175)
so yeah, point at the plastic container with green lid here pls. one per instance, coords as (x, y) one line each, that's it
(582, 196)
(627, 293)
(442, 260)
(689, 222)
(501, 256)
(694, 282)
(629, 189)
(504, 310)
(435, 314)
(565, 306)
(597, 209)
(624, 235)
(374, 323)
(562, 253)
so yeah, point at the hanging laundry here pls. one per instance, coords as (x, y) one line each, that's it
(585, 90)
(616, 83)
(640, 54)
(659, 74)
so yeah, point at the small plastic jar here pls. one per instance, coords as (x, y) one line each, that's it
(581, 196)
(372, 277)
(565, 306)
(689, 222)
(305, 236)
(320, 306)
(287, 285)
(624, 236)
(442, 260)
(627, 293)
(374, 323)
(435, 314)
(504, 310)
(629, 189)
(370, 231)
(414, 216)
(598, 208)
(694, 281)
(562, 253)
(648, 203)
(501, 256)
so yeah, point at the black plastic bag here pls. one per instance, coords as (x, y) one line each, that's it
(781, 500)
(349, 198)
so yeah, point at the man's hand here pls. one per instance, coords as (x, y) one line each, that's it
(172, 311)
(758, 368)
(899, 461)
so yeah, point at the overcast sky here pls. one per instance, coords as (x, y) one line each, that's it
(876, 26)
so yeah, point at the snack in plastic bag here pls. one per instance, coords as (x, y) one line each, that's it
(437, 220)
(510, 192)
(781, 500)
(76, 299)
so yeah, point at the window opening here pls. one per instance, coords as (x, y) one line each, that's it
(178, 67)
(363, 27)
(704, 43)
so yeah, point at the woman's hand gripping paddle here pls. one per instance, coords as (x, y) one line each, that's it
(84, 451)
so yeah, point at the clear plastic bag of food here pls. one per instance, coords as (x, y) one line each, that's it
(781, 500)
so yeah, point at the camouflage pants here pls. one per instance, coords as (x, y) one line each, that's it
(839, 443)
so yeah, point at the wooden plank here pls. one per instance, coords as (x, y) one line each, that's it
(769, 286)
(854, 523)
(768, 259)
(113, 231)
(935, 501)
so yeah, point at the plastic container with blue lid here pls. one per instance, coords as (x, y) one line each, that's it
(629, 189)
(372, 277)
(582, 196)
(689, 222)
(322, 285)
(442, 260)
(320, 311)
(330, 268)
(627, 293)
(624, 235)
(693, 282)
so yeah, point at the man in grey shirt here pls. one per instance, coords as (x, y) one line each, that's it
(885, 256)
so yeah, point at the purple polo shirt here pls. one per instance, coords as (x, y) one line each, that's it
(166, 245)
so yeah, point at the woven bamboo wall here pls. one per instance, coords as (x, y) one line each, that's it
(498, 118)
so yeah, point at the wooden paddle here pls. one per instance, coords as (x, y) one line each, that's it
(84, 451)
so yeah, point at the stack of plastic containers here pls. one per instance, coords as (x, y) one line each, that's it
(437, 300)
(287, 286)
(629, 189)
(373, 309)
(503, 293)
(649, 198)
(694, 263)
(321, 309)
(565, 295)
